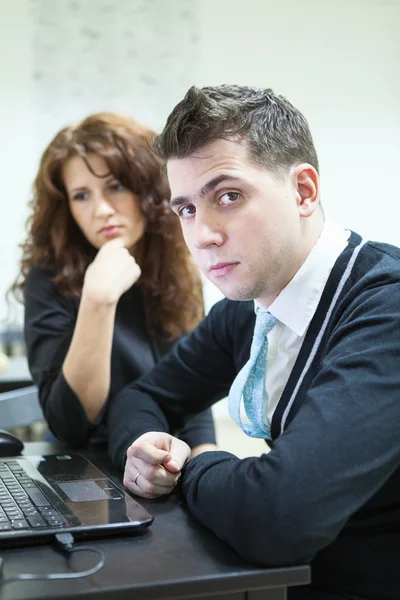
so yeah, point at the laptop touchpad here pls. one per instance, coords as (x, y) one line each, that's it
(83, 491)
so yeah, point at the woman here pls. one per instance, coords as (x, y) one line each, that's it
(107, 281)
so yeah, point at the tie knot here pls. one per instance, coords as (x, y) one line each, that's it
(264, 323)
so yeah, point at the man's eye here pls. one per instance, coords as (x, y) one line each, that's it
(186, 211)
(229, 198)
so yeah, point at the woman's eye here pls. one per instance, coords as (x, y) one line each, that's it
(229, 197)
(117, 186)
(80, 196)
(187, 211)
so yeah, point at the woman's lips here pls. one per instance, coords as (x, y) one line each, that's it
(111, 231)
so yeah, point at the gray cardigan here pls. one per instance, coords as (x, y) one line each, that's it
(328, 493)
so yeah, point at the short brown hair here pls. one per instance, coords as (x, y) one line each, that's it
(277, 133)
(169, 280)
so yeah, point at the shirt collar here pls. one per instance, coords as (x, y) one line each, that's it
(296, 304)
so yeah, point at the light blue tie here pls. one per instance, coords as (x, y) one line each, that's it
(250, 381)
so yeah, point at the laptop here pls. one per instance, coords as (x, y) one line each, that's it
(41, 496)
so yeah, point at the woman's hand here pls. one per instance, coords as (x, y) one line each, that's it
(113, 272)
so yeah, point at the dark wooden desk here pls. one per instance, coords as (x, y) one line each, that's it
(176, 558)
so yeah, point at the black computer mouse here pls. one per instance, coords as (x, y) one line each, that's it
(9, 444)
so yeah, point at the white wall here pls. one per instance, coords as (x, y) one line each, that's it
(337, 62)
(18, 159)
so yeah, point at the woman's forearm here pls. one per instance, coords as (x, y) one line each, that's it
(87, 365)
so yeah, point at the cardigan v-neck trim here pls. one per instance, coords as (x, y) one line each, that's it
(306, 364)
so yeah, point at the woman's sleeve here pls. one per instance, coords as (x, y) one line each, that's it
(49, 325)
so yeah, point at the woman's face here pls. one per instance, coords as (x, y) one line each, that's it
(101, 206)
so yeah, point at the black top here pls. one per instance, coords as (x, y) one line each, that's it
(49, 325)
(328, 493)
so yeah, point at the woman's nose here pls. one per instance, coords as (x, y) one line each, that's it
(103, 207)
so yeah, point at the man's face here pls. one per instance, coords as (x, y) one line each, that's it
(240, 223)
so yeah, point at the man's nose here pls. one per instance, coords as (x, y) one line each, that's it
(208, 231)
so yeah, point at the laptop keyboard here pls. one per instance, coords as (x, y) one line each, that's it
(22, 504)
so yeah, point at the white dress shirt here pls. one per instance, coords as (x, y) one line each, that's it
(295, 307)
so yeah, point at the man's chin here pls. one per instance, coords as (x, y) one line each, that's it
(229, 288)
(234, 293)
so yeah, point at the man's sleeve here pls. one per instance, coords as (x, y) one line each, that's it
(200, 430)
(49, 325)
(337, 452)
(197, 372)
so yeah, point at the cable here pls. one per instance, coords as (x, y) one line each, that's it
(65, 542)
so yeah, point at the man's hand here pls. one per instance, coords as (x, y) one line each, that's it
(113, 272)
(154, 463)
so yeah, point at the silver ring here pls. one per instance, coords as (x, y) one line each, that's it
(136, 477)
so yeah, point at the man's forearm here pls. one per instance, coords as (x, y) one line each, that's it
(130, 415)
(228, 496)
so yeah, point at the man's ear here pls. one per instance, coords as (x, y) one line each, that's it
(306, 182)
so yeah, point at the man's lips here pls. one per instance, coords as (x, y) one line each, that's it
(222, 269)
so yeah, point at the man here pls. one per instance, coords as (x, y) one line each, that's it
(320, 382)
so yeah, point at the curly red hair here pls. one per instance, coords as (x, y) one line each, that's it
(170, 281)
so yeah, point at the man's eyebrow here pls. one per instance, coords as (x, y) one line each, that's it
(206, 189)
